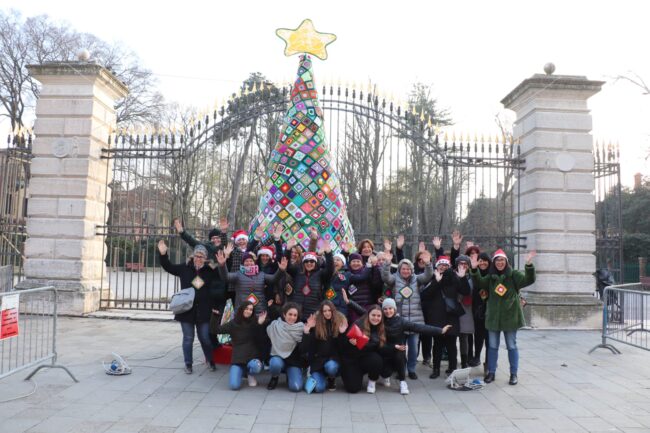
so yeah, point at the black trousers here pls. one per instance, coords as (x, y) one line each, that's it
(395, 362)
(353, 370)
(480, 337)
(427, 346)
(448, 342)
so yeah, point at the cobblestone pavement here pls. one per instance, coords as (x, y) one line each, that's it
(561, 389)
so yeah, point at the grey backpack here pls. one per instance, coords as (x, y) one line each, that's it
(182, 301)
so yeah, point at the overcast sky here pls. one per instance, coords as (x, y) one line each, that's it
(472, 52)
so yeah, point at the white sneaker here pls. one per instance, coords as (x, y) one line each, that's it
(403, 387)
(251, 380)
(386, 382)
(371, 387)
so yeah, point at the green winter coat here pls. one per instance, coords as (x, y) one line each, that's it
(504, 313)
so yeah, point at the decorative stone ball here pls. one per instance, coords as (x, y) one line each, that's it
(83, 55)
(549, 68)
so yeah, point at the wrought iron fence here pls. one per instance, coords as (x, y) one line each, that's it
(609, 229)
(14, 186)
(398, 176)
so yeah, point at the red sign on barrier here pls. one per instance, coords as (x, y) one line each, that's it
(9, 316)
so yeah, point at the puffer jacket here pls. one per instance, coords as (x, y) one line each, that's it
(407, 293)
(397, 327)
(308, 287)
(250, 287)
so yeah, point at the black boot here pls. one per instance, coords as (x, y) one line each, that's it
(513, 379)
(463, 361)
(489, 378)
(474, 362)
(272, 383)
(435, 374)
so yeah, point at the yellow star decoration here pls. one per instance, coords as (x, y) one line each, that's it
(305, 39)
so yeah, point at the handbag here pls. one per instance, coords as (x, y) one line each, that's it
(355, 333)
(452, 306)
(182, 301)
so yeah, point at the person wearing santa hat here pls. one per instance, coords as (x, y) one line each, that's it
(504, 312)
(249, 282)
(441, 296)
(309, 281)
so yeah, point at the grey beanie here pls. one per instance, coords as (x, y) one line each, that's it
(388, 302)
(201, 249)
(463, 258)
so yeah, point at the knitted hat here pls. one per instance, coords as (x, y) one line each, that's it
(463, 259)
(443, 260)
(247, 255)
(406, 262)
(341, 257)
(356, 256)
(499, 253)
(388, 302)
(472, 250)
(214, 232)
(310, 256)
(200, 249)
(269, 250)
(240, 234)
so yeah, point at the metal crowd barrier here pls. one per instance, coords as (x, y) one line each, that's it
(626, 316)
(28, 323)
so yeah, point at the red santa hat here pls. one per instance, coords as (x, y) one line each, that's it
(240, 234)
(269, 250)
(310, 256)
(499, 253)
(443, 260)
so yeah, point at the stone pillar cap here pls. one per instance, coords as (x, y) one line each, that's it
(554, 82)
(81, 69)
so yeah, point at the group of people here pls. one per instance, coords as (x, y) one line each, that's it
(315, 316)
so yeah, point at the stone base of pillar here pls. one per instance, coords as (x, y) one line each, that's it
(563, 310)
(73, 298)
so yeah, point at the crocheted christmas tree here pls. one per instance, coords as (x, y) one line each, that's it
(303, 189)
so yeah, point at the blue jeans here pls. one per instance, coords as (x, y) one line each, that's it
(331, 369)
(294, 374)
(412, 341)
(203, 331)
(493, 350)
(254, 367)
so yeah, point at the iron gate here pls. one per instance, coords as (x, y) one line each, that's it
(609, 226)
(216, 166)
(14, 181)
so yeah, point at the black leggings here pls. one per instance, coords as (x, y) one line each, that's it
(353, 370)
(449, 342)
(427, 345)
(480, 337)
(394, 362)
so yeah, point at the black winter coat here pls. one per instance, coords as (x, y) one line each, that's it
(204, 299)
(308, 288)
(317, 351)
(396, 328)
(436, 311)
(247, 339)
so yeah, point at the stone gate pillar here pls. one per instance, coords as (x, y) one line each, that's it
(557, 207)
(67, 191)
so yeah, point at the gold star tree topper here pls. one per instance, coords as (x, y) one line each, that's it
(305, 39)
